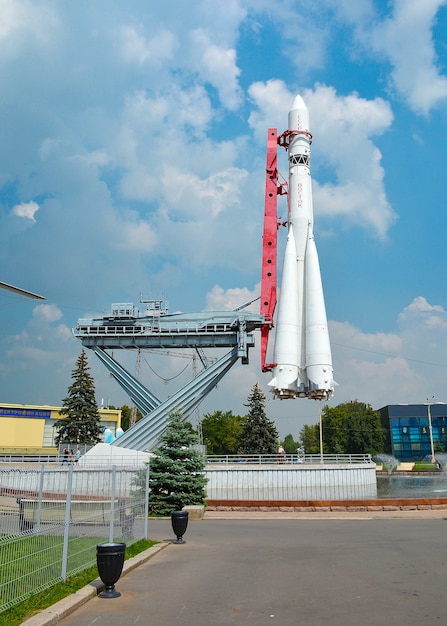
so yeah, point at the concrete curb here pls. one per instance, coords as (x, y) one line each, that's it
(326, 515)
(56, 612)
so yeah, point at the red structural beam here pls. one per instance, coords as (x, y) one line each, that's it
(269, 244)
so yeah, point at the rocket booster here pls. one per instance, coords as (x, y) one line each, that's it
(302, 353)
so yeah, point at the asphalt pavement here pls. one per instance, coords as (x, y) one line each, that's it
(285, 570)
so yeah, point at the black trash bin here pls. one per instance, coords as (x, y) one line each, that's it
(110, 561)
(179, 521)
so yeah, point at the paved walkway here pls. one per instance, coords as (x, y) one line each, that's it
(287, 569)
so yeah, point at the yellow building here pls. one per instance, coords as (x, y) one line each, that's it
(28, 428)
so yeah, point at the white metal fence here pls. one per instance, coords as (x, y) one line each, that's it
(51, 520)
(261, 459)
(281, 482)
(268, 459)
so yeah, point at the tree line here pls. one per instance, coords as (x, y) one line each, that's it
(177, 476)
(349, 428)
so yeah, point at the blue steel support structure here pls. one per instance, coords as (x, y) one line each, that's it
(143, 399)
(146, 432)
(156, 329)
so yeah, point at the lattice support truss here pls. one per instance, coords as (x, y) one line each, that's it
(146, 432)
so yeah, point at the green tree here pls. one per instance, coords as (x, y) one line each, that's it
(259, 434)
(82, 422)
(126, 414)
(177, 469)
(310, 438)
(290, 445)
(221, 432)
(352, 428)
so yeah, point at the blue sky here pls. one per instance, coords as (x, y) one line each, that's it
(132, 162)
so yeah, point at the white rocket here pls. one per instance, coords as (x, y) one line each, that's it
(302, 353)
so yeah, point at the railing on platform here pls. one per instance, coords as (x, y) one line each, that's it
(255, 459)
(263, 459)
(54, 459)
(30, 458)
(147, 329)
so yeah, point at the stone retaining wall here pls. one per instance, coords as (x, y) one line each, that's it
(325, 506)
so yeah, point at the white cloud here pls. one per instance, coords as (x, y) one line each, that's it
(422, 314)
(384, 368)
(41, 348)
(217, 65)
(345, 126)
(377, 344)
(272, 100)
(219, 299)
(405, 40)
(97, 158)
(342, 127)
(158, 133)
(192, 198)
(304, 29)
(135, 235)
(47, 313)
(24, 20)
(155, 51)
(26, 210)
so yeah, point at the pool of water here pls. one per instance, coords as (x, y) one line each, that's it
(412, 486)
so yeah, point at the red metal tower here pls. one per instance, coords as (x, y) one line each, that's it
(273, 188)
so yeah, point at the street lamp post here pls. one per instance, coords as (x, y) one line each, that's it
(430, 431)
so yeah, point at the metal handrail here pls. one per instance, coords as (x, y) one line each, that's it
(30, 458)
(312, 459)
(59, 460)
(252, 459)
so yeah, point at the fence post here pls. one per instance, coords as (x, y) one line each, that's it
(67, 523)
(112, 504)
(39, 503)
(146, 502)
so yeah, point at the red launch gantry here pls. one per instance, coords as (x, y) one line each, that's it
(273, 188)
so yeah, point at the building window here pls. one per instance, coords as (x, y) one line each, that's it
(49, 434)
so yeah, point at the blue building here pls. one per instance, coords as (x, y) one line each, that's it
(407, 429)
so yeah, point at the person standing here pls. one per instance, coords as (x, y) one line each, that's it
(282, 454)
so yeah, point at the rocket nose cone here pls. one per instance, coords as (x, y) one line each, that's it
(298, 103)
(298, 115)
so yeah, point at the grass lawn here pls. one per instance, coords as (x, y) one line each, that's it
(425, 467)
(36, 562)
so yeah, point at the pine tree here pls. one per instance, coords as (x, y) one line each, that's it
(82, 422)
(259, 434)
(177, 470)
(290, 445)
